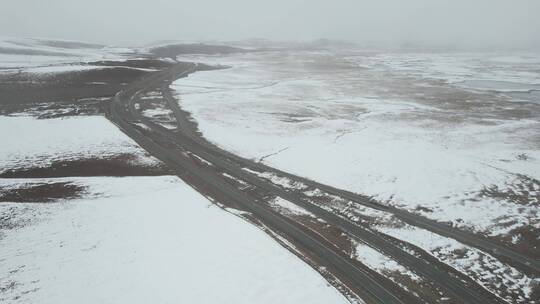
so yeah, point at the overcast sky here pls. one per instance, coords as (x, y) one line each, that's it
(502, 23)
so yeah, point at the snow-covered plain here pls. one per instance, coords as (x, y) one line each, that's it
(400, 127)
(131, 239)
(148, 239)
(452, 136)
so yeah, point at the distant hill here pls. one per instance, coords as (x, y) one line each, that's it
(173, 50)
(69, 44)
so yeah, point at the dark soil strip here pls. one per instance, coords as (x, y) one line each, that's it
(171, 51)
(121, 165)
(42, 193)
(48, 110)
(136, 63)
(28, 88)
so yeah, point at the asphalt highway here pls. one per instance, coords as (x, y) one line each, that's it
(205, 180)
(172, 146)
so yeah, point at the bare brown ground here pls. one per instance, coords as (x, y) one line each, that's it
(118, 165)
(19, 88)
(42, 192)
(58, 109)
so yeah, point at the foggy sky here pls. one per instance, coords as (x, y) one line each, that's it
(471, 23)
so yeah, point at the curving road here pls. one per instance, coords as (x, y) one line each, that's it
(171, 147)
(124, 114)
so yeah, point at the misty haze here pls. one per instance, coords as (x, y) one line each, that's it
(270, 151)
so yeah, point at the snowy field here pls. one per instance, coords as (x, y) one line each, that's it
(148, 239)
(131, 239)
(455, 134)
(451, 136)
(20, 53)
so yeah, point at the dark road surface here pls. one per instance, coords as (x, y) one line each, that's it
(172, 148)
(122, 114)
